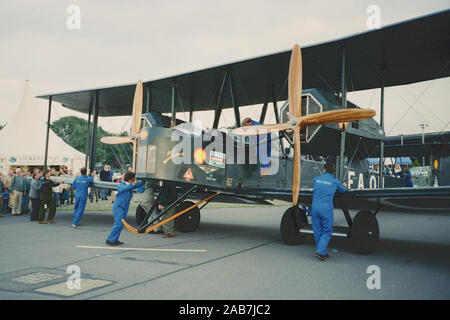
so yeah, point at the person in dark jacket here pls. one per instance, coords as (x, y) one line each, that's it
(46, 198)
(167, 197)
(105, 175)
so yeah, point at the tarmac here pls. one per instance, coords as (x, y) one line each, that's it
(236, 253)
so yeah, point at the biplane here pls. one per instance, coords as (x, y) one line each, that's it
(315, 121)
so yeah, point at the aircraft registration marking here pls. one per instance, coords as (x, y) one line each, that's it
(373, 180)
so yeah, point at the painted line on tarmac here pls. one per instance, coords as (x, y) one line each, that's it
(142, 249)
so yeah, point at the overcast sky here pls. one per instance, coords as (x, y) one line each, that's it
(122, 41)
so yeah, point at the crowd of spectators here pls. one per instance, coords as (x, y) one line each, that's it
(20, 190)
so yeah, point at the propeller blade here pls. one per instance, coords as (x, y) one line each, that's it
(136, 120)
(296, 167)
(266, 128)
(295, 83)
(116, 140)
(137, 109)
(337, 116)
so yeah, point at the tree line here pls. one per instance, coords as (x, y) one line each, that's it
(74, 131)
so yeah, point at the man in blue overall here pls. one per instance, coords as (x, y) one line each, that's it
(325, 186)
(121, 205)
(405, 174)
(264, 146)
(80, 185)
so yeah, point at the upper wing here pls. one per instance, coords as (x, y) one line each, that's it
(402, 53)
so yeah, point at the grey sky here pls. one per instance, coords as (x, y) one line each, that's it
(123, 41)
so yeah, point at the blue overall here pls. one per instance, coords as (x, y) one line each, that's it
(407, 177)
(80, 185)
(322, 210)
(263, 154)
(120, 207)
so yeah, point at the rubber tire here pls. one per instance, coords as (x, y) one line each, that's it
(189, 221)
(140, 215)
(365, 233)
(290, 226)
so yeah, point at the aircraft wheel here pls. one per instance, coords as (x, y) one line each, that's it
(140, 215)
(189, 221)
(290, 226)
(365, 233)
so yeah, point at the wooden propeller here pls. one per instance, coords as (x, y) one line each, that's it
(296, 121)
(135, 124)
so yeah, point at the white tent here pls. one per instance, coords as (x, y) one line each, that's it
(22, 140)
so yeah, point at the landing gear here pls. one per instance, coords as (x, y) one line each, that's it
(189, 221)
(185, 225)
(365, 233)
(291, 223)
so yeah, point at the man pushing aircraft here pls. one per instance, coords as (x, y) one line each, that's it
(325, 186)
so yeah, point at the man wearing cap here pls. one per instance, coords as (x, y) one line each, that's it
(325, 186)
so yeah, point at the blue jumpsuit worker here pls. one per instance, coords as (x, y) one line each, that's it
(265, 153)
(406, 175)
(322, 210)
(81, 185)
(121, 205)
